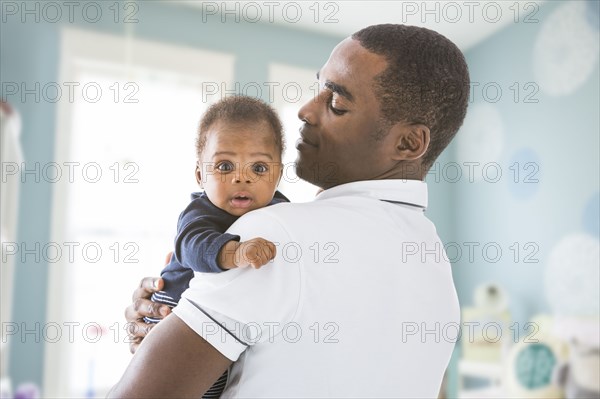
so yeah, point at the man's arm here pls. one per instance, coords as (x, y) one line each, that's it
(181, 356)
(173, 362)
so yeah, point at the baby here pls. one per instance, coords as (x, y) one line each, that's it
(239, 147)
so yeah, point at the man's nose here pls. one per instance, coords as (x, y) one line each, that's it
(308, 113)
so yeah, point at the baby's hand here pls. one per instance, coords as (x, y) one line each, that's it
(256, 253)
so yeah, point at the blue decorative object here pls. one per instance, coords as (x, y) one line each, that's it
(535, 365)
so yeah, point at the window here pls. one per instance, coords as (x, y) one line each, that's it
(125, 148)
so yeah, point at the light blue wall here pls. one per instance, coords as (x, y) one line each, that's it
(561, 135)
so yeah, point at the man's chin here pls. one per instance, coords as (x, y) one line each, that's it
(306, 173)
(311, 175)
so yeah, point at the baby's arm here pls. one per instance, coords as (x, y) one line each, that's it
(255, 253)
(202, 244)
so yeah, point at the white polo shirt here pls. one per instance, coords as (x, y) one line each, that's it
(358, 302)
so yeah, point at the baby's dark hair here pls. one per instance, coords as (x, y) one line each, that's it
(240, 109)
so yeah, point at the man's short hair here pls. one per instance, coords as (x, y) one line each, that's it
(240, 109)
(426, 81)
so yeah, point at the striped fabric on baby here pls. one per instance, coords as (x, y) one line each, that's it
(217, 389)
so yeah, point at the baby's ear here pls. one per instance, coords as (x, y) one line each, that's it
(198, 176)
(280, 175)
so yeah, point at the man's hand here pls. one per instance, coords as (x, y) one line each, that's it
(141, 307)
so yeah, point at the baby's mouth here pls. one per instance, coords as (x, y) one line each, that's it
(241, 201)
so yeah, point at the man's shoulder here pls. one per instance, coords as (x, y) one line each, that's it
(284, 212)
(271, 217)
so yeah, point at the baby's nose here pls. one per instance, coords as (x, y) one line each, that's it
(240, 176)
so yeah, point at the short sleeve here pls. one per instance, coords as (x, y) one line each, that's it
(242, 307)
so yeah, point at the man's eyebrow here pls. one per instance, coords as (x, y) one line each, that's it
(337, 88)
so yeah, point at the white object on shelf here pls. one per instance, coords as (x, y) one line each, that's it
(584, 330)
(491, 297)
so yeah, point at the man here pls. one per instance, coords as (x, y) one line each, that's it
(345, 309)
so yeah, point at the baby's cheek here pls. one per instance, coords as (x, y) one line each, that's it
(264, 200)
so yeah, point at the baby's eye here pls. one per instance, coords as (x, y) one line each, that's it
(224, 166)
(260, 168)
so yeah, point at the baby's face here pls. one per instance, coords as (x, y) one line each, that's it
(240, 166)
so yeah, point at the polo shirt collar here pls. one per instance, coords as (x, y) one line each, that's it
(409, 192)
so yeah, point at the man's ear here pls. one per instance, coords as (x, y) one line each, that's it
(199, 176)
(411, 141)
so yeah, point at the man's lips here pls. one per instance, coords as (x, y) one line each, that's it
(305, 140)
